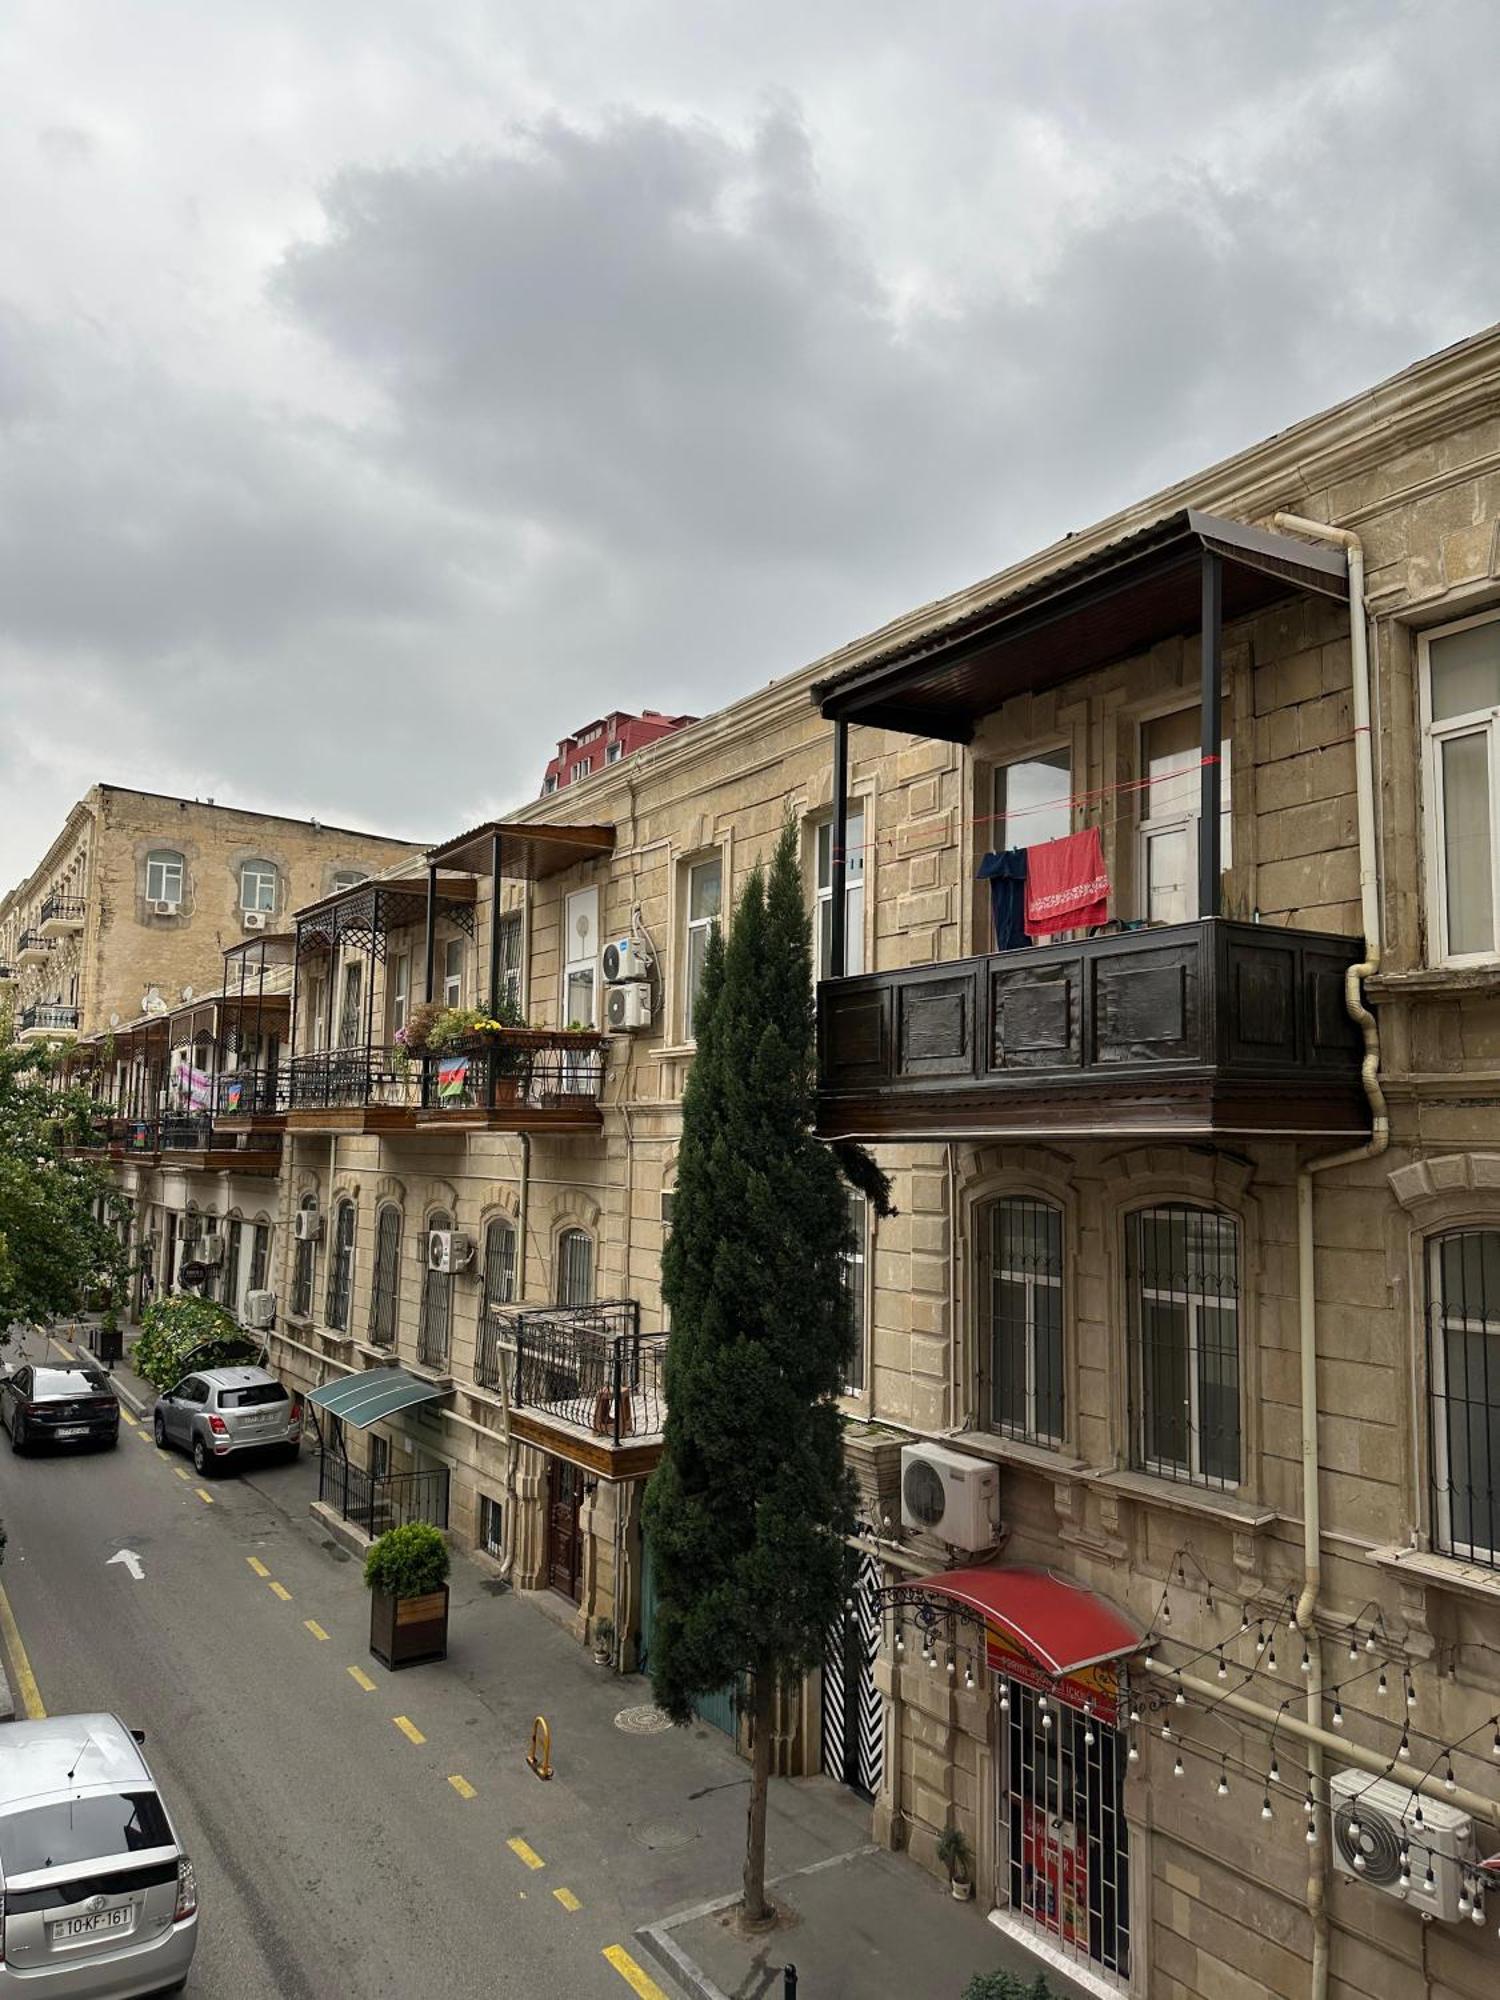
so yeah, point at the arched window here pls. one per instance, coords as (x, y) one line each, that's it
(230, 1273)
(340, 1268)
(1020, 1297)
(164, 876)
(258, 885)
(499, 1265)
(1463, 1368)
(384, 1289)
(437, 1306)
(575, 1268)
(302, 1268)
(1183, 1296)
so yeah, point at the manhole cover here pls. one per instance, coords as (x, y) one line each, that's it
(646, 1721)
(658, 1834)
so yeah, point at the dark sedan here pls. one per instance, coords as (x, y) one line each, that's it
(58, 1406)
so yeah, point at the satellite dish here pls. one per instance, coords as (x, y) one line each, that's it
(114, 1020)
(187, 992)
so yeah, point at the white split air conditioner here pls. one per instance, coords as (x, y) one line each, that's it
(627, 1008)
(307, 1225)
(162, 908)
(260, 1310)
(255, 920)
(624, 960)
(949, 1495)
(1375, 1818)
(210, 1248)
(448, 1251)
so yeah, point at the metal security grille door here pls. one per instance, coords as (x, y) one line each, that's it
(437, 1304)
(575, 1268)
(853, 1708)
(384, 1288)
(1463, 1365)
(1064, 1844)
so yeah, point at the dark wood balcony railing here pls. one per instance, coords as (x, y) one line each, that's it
(587, 1371)
(1198, 1028)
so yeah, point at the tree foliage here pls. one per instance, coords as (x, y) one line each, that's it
(182, 1332)
(55, 1252)
(408, 1561)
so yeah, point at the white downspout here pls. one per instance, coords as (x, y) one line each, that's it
(1376, 1144)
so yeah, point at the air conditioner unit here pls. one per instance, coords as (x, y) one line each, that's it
(255, 920)
(160, 907)
(949, 1495)
(448, 1251)
(210, 1248)
(307, 1225)
(627, 1008)
(624, 959)
(1374, 1819)
(260, 1310)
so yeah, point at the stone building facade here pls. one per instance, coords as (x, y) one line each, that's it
(1240, 1406)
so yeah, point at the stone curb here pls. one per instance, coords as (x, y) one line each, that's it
(7, 1699)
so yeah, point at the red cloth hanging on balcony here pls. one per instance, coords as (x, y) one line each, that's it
(1067, 884)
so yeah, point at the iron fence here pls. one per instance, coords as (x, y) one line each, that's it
(590, 1367)
(185, 1131)
(246, 1092)
(556, 1076)
(352, 1077)
(66, 909)
(32, 940)
(375, 1501)
(48, 1017)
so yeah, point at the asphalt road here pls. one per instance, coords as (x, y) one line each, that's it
(338, 1852)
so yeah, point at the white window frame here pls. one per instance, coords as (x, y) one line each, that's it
(1479, 722)
(400, 990)
(576, 960)
(613, 753)
(1191, 1471)
(582, 768)
(266, 880)
(453, 981)
(163, 862)
(348, 878)
(856, 877)
(695, 927)
(1063, 747)
(1184, 821)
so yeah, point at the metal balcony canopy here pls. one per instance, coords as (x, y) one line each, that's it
(529, 851)
(1106, 606)
(1063, 1626)
(365, 1398)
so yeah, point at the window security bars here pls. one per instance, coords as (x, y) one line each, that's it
(185, 1131)
(387, 1277)
(340, 1268)
(589, 1367)
(1183, 1298)
(575, 1268)
(491, 1526)
(302, 1270)
(260, 1253)
(499, 1287)
(1021, 1293)
(231, 1286)
(376, 1501)
(437, 1307)
(1463, 1372)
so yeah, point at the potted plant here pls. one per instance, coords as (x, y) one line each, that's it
(412, 1038)
(604, 1642)
(956, 1855)
(406, 1572)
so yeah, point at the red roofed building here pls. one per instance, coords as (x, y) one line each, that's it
(606, 741)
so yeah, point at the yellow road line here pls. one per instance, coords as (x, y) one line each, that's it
(182, 1472)
(20, 1666)
(162, 1454)
(361, 1679)
(206, 1498)
(315, 1628)
(638, 1981)
(525, 1852)
(462, 1786)
(568, 1900)
(281, 1591)
(408, 1729)
(144, 1436)
(134, 1422)
(257, 1565)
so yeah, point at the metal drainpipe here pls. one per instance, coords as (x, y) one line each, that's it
(512, 1450)
(1379, 1140)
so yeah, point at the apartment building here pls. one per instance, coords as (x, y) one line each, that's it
(1174, 1414)
(613, 737)
(138, 895)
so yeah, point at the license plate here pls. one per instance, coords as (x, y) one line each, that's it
(101, 1920)
(72, 1431)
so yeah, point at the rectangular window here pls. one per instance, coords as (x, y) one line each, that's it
(491, 1526)
(400, 990)
(1463, 1361)
(1023, 1341)
(510, 959)
(580, 958)
(164, 878)
(582, 768)
(453, 972)
(704, 903)
(1172, 765)
(257, 886)
(351, 1026)
(230, 1294)
(383, 1288)
(854, 894)
(260, 1251)
(348, 878)
(855, 1278)
(613, 753)
(1032, 801)
(1461, 711)
(1183, 1285)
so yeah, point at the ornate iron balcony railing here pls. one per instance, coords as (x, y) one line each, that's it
(589, 1367)
(359, 1076)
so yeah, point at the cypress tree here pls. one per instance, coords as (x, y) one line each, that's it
(748, 1510)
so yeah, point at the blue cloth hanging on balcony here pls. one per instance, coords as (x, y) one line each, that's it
(1006, 875)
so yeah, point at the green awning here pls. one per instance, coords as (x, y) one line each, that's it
(364, 1399)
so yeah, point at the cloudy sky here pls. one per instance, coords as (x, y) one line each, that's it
(388, 388)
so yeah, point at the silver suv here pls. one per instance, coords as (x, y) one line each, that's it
(219, 1413)
(97, 1897)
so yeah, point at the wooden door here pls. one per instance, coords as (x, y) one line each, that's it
(564, 1536)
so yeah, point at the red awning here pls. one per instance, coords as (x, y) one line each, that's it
(1064, 1627)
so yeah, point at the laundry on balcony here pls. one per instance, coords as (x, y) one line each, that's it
(1067, 884)
(1006, 875)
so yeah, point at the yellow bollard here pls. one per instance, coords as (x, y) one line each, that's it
(541, 1761)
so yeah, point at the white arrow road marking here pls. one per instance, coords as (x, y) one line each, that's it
(131, 1561)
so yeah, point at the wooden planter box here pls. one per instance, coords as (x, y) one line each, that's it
(405, 1631)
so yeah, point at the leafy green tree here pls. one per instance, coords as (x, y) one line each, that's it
(180, 1331)
(748, 1511)
(54, 1250)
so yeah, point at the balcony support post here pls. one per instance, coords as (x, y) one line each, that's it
(492, 1057)
(838, 860)
(429, 974)
(1210, 862)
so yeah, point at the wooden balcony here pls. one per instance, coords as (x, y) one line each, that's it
(362, 1089)
(1214, 1029)
(251, 1101)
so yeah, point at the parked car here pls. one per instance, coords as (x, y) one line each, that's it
(41, 1405)
(221, 1413)
(98, 1899)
